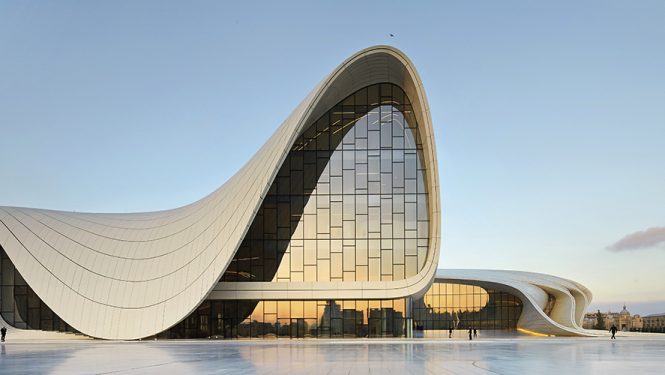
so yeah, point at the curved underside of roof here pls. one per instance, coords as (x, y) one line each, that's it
(128, 276)
(534, 289)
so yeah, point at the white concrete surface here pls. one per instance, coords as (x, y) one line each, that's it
(496, 356)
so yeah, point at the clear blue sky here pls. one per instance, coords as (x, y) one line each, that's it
(549, 117)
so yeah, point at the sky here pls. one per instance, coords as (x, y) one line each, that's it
(549, 117)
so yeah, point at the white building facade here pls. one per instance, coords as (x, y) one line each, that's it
(332, 229)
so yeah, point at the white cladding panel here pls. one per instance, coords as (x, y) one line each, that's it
(128, 276)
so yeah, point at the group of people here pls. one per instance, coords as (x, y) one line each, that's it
(475, 333)
(472, 333)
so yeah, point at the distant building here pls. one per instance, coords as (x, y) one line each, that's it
(589, 321)
(654, 323)
(623, 320)
(637, 323)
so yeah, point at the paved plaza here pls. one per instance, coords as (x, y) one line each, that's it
(484, 356)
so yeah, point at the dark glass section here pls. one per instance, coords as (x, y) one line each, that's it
(461, 307)
(293, 319)
(349, 203)
(19, 304)
(445, 306)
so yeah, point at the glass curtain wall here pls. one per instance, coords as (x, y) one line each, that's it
(20, 306)
(444, 306)
(349, 202)
(461, 307)
(293, 319)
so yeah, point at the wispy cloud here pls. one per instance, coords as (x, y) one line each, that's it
(651, 237)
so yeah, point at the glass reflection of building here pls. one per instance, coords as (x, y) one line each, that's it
(293, 319)
(461, 307)
(349, 202)
(445, 306)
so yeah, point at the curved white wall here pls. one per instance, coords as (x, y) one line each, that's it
(127, 276)
(571, 299)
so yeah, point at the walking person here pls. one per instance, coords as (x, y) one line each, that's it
(450, 333)
(613, 330)
(475, 332)
(3, 333)
(470, 333)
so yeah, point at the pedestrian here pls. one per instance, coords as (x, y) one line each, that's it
(3, 333)
(470, 333)
(450, 333)
(613, 330)
(475, 332)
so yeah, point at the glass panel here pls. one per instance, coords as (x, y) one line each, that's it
(20, 306)
(354, 174)
(463, 307)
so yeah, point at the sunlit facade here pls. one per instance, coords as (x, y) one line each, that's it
(332, 230)
(456, 306)
(445, 306)
(349, 202)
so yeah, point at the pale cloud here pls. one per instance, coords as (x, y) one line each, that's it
(651, 237)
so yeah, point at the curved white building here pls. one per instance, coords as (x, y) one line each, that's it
(547, 304)
(331, 230)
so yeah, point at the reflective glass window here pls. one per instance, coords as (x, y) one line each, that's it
(353, 175)
(462, 307)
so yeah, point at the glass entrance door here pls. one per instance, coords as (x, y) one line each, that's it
(298, 328)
